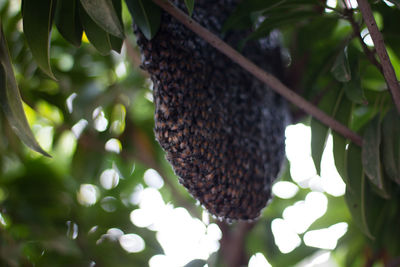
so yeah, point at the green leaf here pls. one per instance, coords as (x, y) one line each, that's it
(196, 263)
(356, 189)
(103, 13)
(343, 115)
(354, 91)
(371, 152)
(395, 2)
(341, 67)
(240, 16)
(278, 20)
(146, 15)
(11, 102)
(116, 43)
(353, 88)
(391, 145)
(37, 22)
(319, 131)
(190, 6)
(68, 22)
(247, 12)
(319, 134)
(96, 35)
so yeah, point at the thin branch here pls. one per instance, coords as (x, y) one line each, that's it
(394, 262)
(233, 245)
(388, 70)
(263, 76)
(133, 56)
(357, 32)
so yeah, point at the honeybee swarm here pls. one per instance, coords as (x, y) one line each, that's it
(222, 130)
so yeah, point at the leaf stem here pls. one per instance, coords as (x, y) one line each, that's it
(263, 76)
(388, 70)
(357, 33)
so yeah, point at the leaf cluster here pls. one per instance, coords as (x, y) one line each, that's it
(326, 63)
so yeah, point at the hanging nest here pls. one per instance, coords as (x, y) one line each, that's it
(221, 128)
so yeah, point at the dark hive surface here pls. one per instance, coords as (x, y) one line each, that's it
(222, 129)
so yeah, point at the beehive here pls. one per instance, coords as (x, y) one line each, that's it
(222, 130)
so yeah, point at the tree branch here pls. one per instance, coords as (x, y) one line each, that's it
(260, 74)
(233, 245)
(388, 70)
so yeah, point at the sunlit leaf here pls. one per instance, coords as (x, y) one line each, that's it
(190, 6)
(371, 152)
(37, 23)
(118, 119)
(395, 2)
(394, 59)
(96, 35)
(391, 145)
(68, 22)
(356, 189)
(341, 68)
(146, 15)
(11, 102)
(104, 14)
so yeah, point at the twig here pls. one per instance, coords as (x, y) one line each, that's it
(388, 70)
(263, 76)
(233, 245)
(393, 263)
(133, 56)
(356, 30)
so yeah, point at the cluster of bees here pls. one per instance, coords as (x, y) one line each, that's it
(222, 130)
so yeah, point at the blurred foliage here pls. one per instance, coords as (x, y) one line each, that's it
(97, 119)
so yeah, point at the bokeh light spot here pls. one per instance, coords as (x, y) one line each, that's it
(285, 189)
(109, 204)
(72, 230)
(113, 145)
(285, 237)
(65, 62)
(258, 260)
(78, 128)
(99, 119)
(109, 179)
(303, 213)
(325, 238)
(153, 179)
(70, 102)
(88, 194)
(132, 243)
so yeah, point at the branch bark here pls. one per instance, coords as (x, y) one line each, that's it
(233, 245)
(388, 70)
(260, 74)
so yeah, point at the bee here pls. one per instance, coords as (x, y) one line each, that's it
(222, 130)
